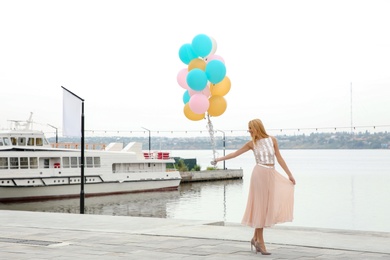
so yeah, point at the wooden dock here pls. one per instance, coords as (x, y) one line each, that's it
(213, 175)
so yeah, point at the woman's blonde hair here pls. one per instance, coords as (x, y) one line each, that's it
(258, 130)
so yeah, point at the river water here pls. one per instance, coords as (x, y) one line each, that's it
(342, 189)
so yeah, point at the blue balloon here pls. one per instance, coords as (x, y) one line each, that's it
(215, 71)
(186, 53)
(202, 45)
(196, 79)
(186, 97)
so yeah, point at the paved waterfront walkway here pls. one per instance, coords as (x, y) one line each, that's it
(39, 235)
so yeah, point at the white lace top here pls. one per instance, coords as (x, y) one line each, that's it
(264, 151)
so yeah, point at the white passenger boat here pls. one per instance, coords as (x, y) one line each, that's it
(31, 169)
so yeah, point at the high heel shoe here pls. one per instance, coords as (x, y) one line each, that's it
(253, 244)
(259, 249)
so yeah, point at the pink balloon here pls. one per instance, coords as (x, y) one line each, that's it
(206, 91)
(199, 103)
(215, 57)
(193, 92)
(182, 78)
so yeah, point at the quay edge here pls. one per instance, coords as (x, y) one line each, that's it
(211, 175)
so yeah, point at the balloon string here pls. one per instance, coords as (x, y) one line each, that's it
(211, 132)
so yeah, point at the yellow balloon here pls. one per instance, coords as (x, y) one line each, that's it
(217, 105)
(221, 88)
(191, 115)
(197, 64)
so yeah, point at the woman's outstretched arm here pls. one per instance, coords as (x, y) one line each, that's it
(246, 147)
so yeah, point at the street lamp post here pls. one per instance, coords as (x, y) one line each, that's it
(224, 147)
(150, 144)
(56, 132)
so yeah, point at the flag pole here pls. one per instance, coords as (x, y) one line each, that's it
(82, 159)
(82, 194)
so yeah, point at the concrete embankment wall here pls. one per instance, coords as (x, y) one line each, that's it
(213, 175)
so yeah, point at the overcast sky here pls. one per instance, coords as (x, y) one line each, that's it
(291, 63)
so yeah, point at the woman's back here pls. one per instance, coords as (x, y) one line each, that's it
(264, 151)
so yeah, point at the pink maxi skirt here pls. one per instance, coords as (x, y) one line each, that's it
(270, 199)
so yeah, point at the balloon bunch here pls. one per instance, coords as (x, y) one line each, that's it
(204, 79)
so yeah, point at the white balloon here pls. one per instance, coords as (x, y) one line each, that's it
(214, 47)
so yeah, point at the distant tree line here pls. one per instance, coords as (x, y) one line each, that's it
(337, 140)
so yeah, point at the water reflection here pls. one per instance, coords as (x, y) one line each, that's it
(149, 204)
(208, 201)
(190, 201)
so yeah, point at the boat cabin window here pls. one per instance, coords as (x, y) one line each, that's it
(3, 163)
(65, 162)
(73, 162)
(22, 141)
(33, 162)
(39, 141)
(6, 141)
(31, 141)
(1, 142)
(46, 163)
(96, 161)
(89, 162)
(23, 162)
(14, 162)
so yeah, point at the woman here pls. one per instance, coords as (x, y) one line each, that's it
(271, 196)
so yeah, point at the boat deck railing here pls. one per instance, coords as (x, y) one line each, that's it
(157, 155)
(160, 155)
(78, 146)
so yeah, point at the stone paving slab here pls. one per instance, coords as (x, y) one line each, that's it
(39, 235)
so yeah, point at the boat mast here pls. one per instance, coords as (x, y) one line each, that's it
(351, 112)
(29, 122)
